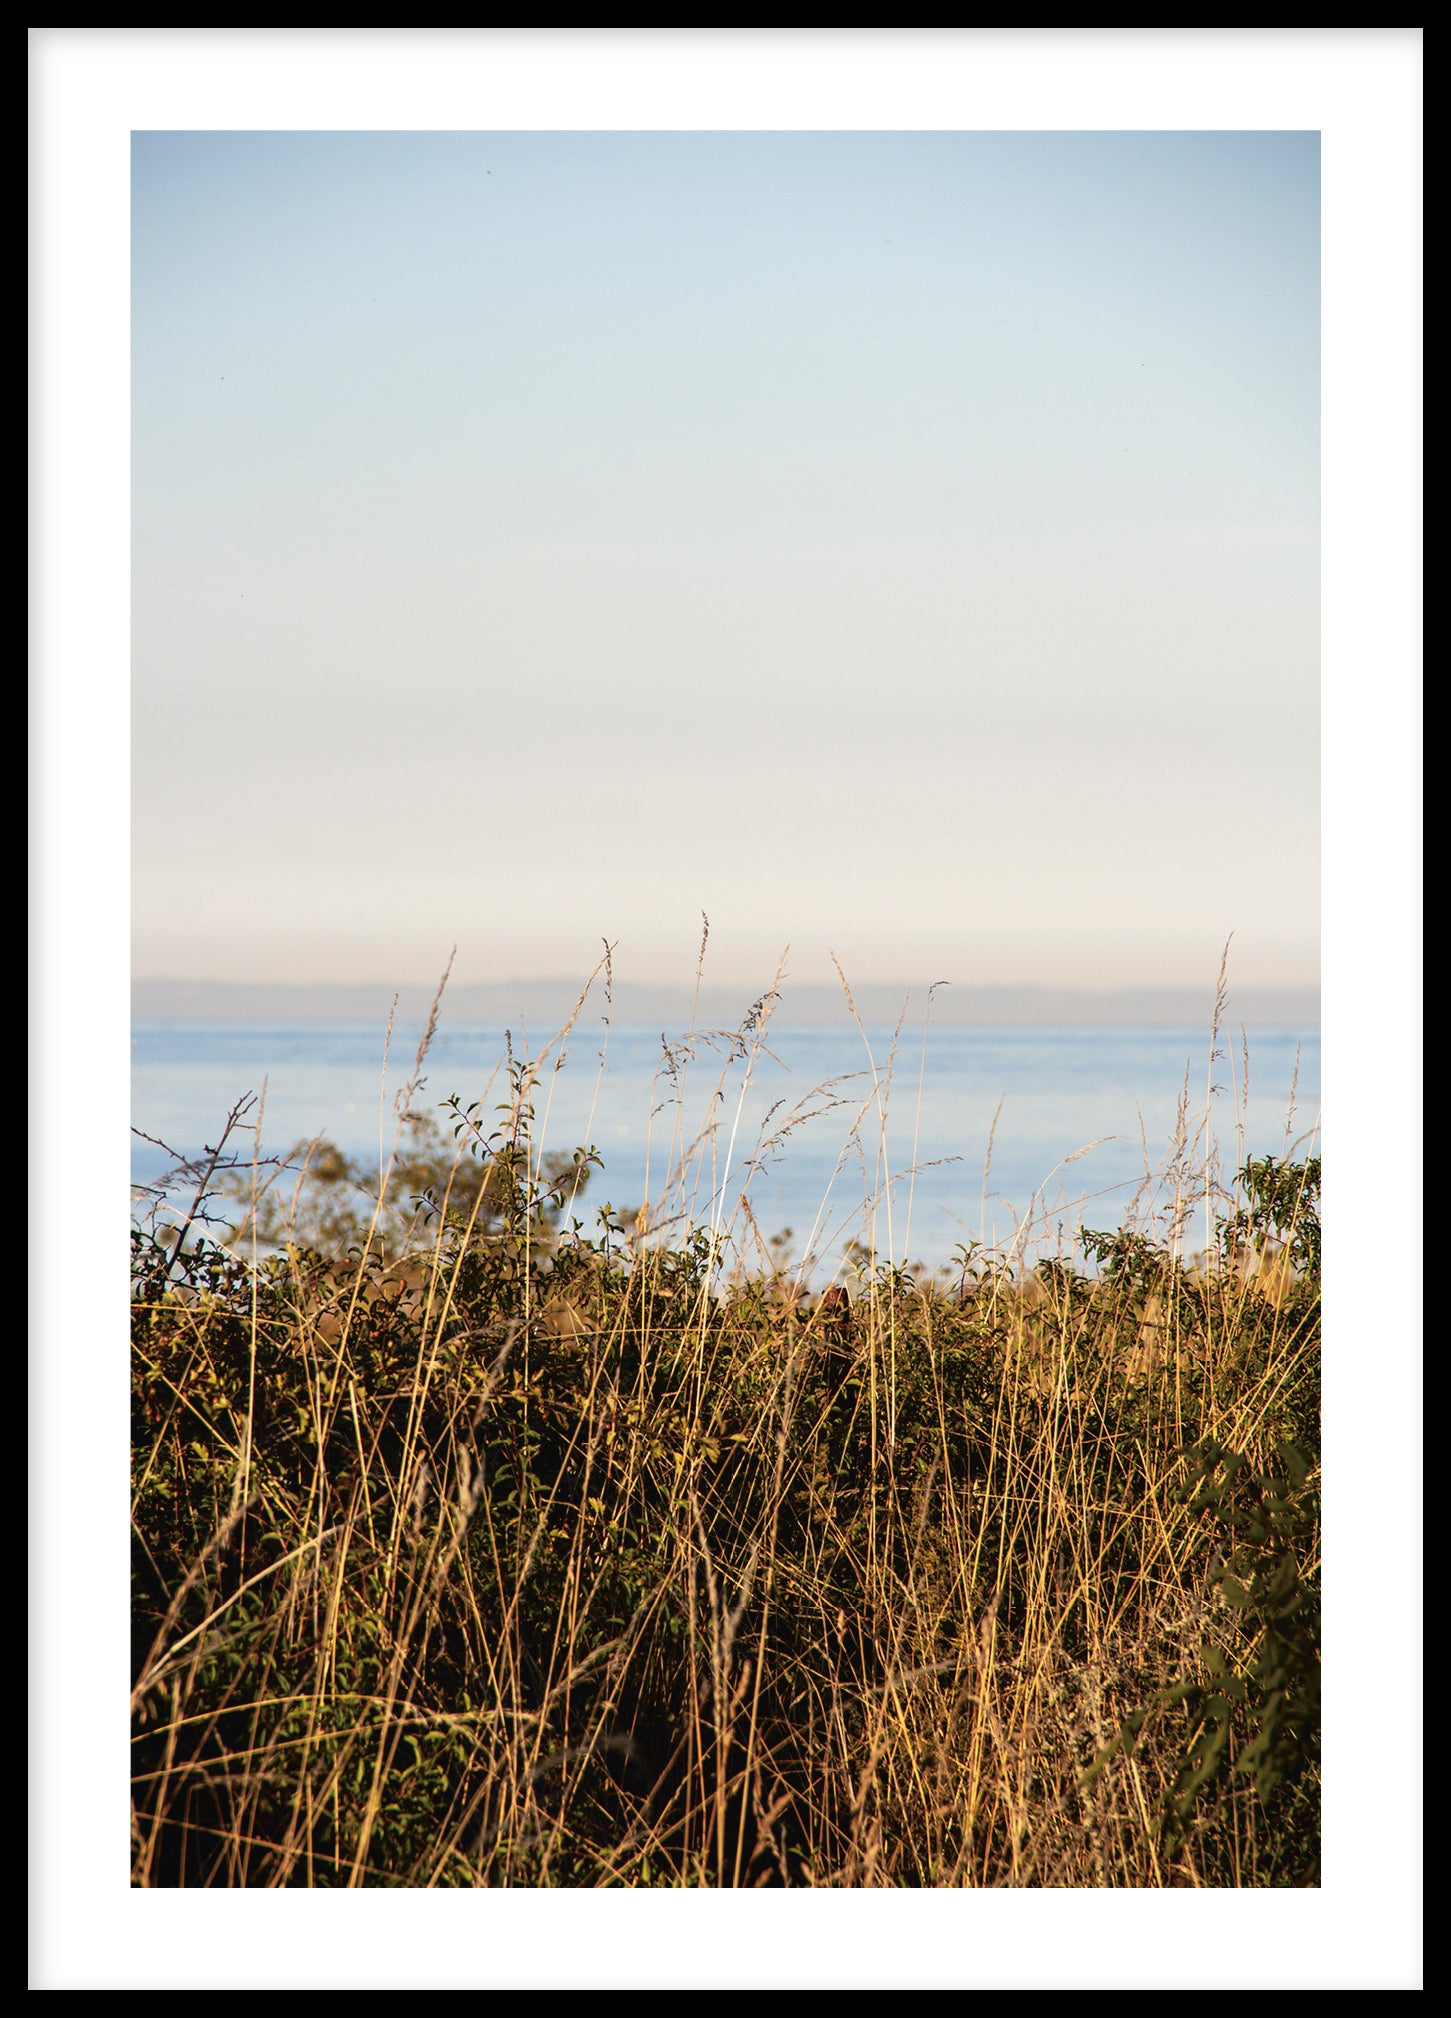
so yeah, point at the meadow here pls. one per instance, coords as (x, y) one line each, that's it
(472, 1548)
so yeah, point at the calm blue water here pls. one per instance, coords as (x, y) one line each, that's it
(822, 1136)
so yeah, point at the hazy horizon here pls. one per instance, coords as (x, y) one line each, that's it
(175, 999)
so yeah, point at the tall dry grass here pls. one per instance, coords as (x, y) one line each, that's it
(481, 1553)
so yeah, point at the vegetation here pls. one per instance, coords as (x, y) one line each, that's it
(471, 1549)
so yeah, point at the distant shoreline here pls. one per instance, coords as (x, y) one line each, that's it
(164, 1000)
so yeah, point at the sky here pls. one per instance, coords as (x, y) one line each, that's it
(896, 544)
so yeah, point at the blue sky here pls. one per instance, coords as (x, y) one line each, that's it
(901, 542)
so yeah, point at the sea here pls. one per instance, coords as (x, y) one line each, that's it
(918, 1145)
